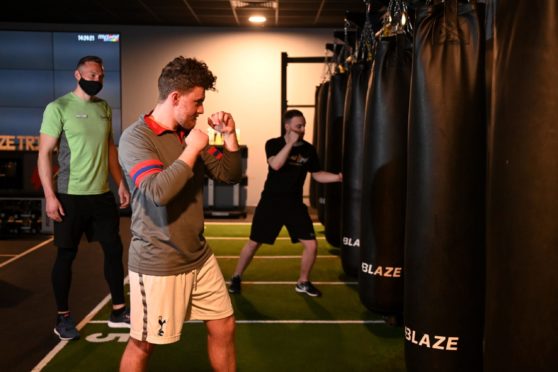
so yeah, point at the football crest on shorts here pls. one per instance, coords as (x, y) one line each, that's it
(161, 324)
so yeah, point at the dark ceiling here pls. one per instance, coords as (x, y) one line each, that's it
(192, 13)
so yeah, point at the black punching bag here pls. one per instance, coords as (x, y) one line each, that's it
(313, 184)
(521, 324)
(320, 146)
(380, 276)
(333, 156)
(353, 147)
(445, 216)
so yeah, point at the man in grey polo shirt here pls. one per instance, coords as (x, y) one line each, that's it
(173, 273)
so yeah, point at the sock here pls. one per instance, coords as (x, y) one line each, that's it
(59, 316)
(119, 311)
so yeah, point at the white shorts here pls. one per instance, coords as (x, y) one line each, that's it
(160, 304)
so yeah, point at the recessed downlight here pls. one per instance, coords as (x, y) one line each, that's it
(257, 19)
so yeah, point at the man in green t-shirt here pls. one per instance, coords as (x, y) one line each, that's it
(78, 126)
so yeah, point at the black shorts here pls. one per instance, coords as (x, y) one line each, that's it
(95, 215)
(272, 214)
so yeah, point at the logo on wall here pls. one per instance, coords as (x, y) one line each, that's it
(19, 143)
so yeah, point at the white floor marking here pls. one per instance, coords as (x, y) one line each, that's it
(88, 318)
(42, 244)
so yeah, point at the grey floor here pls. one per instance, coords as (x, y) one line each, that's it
(27, 307)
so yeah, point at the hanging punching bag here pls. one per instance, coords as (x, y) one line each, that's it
(313, 199)
(333, 156)
(522, 220)
(444, 242)
(320, 146)
(384, 177)
(353, 147)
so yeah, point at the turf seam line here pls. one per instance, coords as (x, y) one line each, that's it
(226, 223)
(242, 223)
(282, 321)
(245, 238)
(376, 321)
(293, 283)
(272, 257)
(40, 245)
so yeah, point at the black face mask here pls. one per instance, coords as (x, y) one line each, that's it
(91, 87)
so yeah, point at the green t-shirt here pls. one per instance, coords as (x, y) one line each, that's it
(83, 129)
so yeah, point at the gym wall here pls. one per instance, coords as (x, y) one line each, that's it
(247, 63)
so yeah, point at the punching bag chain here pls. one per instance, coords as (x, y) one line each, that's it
(366, 45)
(396, 19)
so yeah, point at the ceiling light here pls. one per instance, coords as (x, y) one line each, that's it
(257, 19)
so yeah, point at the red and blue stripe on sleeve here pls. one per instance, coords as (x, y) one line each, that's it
(145, 168)
(215, 152)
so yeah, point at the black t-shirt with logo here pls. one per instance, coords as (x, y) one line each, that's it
(289, 179)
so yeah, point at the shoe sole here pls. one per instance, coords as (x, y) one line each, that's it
(65, 338)
(118, 324)
(308, 293)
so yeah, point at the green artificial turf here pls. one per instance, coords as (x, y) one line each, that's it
(260, 347)
(277, 329)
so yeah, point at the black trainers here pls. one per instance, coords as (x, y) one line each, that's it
(308, 288)
(235, 284)
(66, 328)
(121, 320)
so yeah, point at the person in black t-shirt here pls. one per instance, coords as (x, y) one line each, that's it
(289, 158)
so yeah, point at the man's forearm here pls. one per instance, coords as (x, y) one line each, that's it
(326, 177)
(231, 141)
(44, 166)
(114, 166)
(276, 162)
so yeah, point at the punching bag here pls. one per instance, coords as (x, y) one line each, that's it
(320, 146)
(353, 148)
(313, 199)
(333, 156)
(521, 322)
(445, 216)
(380, 278)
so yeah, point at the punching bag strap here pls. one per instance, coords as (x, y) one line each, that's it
(367, 42)
(449, 32)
